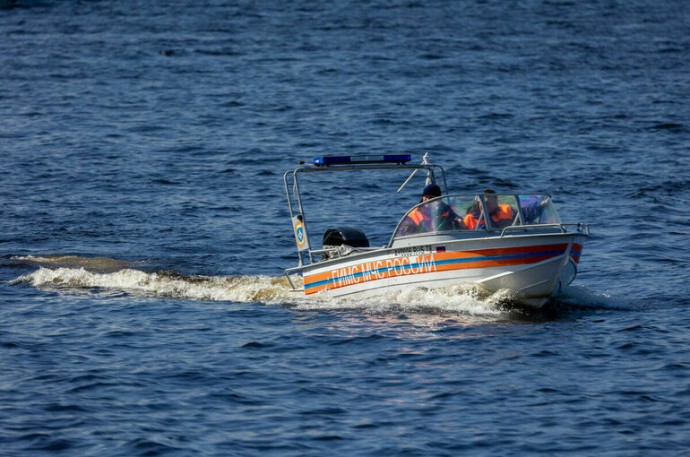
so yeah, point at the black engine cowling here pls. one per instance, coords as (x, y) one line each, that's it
(350, 236)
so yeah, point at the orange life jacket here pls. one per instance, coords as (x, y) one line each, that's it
(417, 216)
(470, 221)
(504, 212)
(419, 219)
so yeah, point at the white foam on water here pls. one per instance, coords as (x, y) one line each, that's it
(264, 289)
(456, 300)
(74, 272)
(237, 288)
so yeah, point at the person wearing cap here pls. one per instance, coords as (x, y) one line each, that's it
(422, 220)
(446, 217)
(431, 191)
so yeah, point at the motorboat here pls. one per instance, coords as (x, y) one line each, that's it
(499, 241)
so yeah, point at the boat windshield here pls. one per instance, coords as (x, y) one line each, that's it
(459, 212)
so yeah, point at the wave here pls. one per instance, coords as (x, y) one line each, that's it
(74, 273)
(578, 297)
(263, 289)
(164, 284)
(72, 261)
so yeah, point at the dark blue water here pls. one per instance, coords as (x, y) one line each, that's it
(144, 230)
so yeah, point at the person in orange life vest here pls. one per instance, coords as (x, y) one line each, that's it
(421, 219)
(501, 215)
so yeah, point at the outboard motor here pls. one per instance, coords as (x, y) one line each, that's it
(343, 239)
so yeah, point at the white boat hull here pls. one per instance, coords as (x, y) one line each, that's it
(532, 267)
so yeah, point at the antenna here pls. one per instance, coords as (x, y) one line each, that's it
(429, 177)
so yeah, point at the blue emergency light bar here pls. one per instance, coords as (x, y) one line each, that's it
(326, 161)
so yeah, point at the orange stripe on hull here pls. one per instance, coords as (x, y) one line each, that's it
(429, 263)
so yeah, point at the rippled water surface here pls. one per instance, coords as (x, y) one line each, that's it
(144, 228)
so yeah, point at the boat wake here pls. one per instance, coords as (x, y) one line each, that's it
(162, 284)
(263, 289)
(73, 274)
